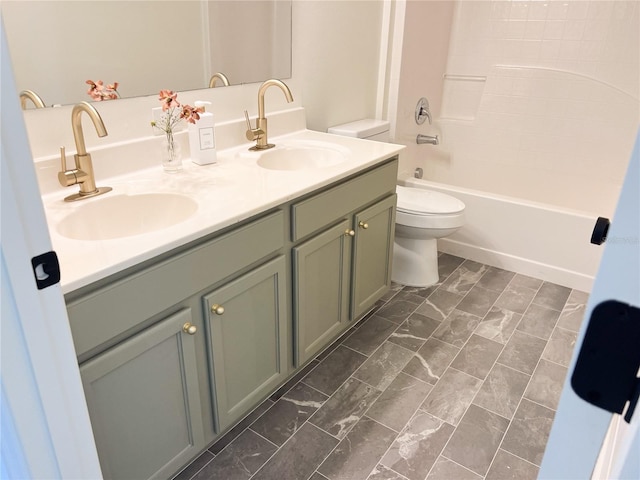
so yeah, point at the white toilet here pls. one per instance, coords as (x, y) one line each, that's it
(422, 216)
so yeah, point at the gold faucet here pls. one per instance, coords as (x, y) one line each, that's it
(82, 174)
(259, 134)
(30, 95)
(218, 76)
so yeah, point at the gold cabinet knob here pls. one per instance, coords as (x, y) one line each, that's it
(350, 233)
(364, 225)
(217, 309)
(189, 328)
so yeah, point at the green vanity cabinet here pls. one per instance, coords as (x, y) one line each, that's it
(247, 325)
(144, 402)
(174, 351)
(321, 269)
(372, 255)
(342, 264)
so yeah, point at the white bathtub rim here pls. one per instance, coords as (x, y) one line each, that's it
(548, 265)
(422, 183)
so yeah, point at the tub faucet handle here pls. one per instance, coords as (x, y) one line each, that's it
(423, 112)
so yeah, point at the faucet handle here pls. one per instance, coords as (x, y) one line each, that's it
(69, 177)
(252, 133)
(63, 160)
(246, 116)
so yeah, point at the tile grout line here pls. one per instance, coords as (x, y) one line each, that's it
(476, 394)
(381, 392)
(522, 397)
(523, 392)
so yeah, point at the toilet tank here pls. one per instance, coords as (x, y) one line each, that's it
(367, 128)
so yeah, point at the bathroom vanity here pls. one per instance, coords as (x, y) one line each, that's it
(176, 344)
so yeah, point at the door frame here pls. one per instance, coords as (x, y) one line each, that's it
(44, 411)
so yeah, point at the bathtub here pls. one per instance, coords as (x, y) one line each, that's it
(534, 239)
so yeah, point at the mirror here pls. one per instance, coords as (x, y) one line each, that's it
(145, 46)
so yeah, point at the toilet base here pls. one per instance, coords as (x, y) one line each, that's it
(415, 262)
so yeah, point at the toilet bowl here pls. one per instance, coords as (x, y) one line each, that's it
(422, 216)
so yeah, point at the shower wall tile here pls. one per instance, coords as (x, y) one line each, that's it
(561, 59)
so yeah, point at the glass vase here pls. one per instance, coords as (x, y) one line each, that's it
(171, 154)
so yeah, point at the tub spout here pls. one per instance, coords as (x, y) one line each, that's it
(430, 139)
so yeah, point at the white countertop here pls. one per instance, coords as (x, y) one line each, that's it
(230, 191)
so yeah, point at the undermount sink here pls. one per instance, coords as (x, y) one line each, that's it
(119, 216)
(302, 156)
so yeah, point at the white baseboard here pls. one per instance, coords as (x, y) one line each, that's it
(520, 265)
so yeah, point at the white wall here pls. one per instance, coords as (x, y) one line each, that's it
(335, 58)
(425, 45)
(540, 100)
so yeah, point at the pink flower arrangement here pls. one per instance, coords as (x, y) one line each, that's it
(99, 92)
(174, 112)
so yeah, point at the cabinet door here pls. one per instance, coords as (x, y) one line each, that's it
(372, 256)
(247, 333)
(321, 289)
(144, 402)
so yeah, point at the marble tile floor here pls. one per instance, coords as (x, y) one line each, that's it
(453, 382)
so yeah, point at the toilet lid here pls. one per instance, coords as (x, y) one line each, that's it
(424, 202)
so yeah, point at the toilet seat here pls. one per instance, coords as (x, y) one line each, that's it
(418, 201)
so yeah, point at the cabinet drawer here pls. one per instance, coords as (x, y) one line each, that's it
(319, 210)
(110, 311)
